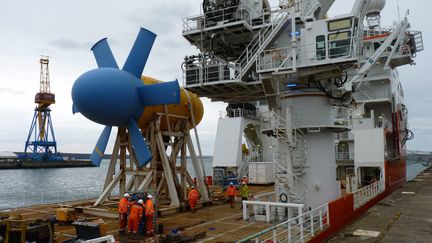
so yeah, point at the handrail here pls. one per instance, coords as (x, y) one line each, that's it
(267, 206)
(278, 58)
(281, 120)
(295, 229)
(365, 194)
(292, 185)
(245, 162)
(295, 138)
(229, 14)
(251, 51)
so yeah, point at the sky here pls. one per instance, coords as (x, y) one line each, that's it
(65, 31)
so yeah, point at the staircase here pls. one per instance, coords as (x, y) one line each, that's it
(265, 36)
(243, 168)
(290, 183)
(282, 129)
(288, 180)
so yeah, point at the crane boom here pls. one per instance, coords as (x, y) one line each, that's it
(388, 43)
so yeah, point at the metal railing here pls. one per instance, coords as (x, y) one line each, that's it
(15, 200)
(282, 58)
(244, 12)
(418, 40)
(212, 18)
(272, 22)
(365, 194)
(367, 93)
(201, 73)
(290, 183)
(239, 112)
(267, 206)
(344, 136)
(286, 131)
(298, 229)
(270, 27)
(344, 156)
(326, 117)
(253, 156)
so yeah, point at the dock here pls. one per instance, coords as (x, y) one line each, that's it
(403, 216)
(15, 160)
(28, 164)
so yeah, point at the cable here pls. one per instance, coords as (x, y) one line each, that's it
(409, 136)
(344, 97)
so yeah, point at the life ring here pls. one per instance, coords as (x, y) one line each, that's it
(283, 198)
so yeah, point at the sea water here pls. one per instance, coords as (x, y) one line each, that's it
(25, 187)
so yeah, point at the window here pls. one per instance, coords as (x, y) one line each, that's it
(377, 45)
(339, 44)
(341, 24)
(320, 47)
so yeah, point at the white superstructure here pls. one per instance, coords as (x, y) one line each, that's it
(313, 95)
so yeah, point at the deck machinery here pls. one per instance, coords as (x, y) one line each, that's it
(309, 79)
(41, 144)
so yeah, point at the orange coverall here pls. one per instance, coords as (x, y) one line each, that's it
(231, 193)
(123, 211)
(149, 212)
(135, 216)
(193, 198)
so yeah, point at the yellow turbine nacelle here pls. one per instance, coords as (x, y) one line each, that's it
(181, 109)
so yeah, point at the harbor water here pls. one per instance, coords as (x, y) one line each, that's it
(25, 187)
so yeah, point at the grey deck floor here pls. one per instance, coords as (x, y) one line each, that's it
(404, 216)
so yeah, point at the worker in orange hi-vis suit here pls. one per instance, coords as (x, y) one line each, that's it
(193, 197)
(123, 212)
(135, 216)
(231, 193)
(149, 213)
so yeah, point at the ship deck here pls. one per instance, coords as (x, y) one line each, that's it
(218, 221)
(403, 216)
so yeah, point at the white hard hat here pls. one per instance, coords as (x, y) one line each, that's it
(140, 201)
(126, 194)
(150, 196)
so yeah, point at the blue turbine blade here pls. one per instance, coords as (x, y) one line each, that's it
(160, 94)
(140, 147)
(103, 54)
(74, 109)
(99, 150)
(139, 53)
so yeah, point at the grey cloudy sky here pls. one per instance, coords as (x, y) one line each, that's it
(65, 31)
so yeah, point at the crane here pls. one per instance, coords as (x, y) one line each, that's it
(41, 144)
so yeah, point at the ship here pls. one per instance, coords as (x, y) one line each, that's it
(314, 105)
(315, 122)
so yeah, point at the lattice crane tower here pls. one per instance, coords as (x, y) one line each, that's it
(41, 144)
